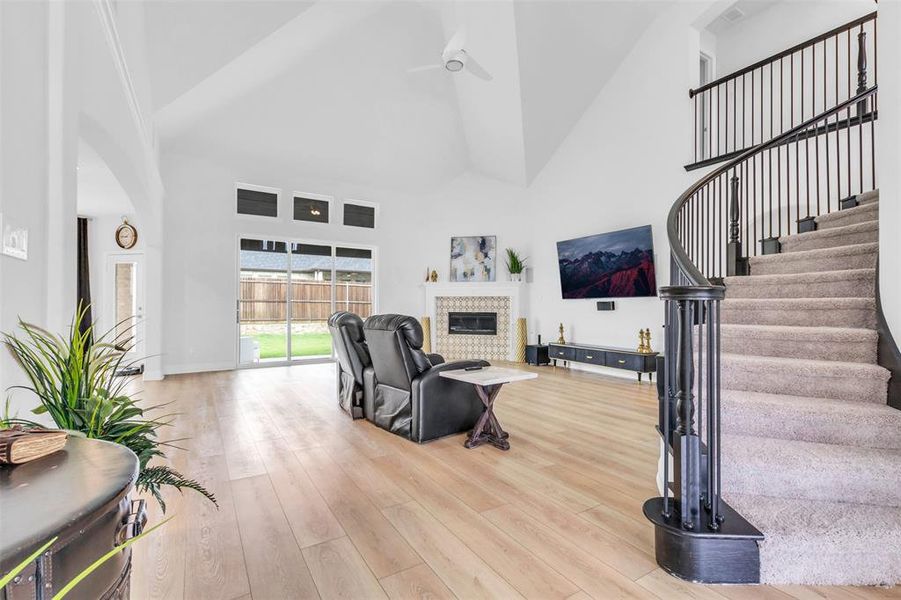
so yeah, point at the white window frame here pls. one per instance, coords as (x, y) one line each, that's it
(373, 205)
(260, 188)
(312, 196)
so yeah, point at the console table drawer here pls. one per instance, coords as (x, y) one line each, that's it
(562, 352)
(625, 361)
(593, 357)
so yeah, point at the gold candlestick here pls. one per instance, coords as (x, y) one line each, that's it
(560, 340)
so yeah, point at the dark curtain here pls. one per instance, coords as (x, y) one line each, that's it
(84, 276)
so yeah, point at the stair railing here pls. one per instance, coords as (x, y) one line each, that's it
(709, 236)
(756, 103)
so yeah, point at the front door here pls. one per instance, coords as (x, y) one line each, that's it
(124, 304)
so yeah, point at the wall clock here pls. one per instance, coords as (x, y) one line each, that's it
(126, 235)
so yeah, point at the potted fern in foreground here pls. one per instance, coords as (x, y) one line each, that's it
(76, 381)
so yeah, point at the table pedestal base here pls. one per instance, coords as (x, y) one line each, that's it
(487, 429)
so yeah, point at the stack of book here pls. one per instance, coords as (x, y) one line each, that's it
(19, 445)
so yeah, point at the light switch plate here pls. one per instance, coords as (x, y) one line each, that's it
(15, 241)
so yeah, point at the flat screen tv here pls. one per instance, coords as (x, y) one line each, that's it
(619, 264)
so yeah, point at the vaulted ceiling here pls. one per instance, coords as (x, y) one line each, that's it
(325, 88)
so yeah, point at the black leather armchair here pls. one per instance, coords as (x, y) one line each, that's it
(353, 360)
(407, 395)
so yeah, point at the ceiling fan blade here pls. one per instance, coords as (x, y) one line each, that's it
(455, 44)
(476, 69)
(424, 68)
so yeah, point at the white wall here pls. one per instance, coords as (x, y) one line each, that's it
(619, 168)
(413, 234)
(23, 172)
(598, 181)
(782, 26)
(60, 79)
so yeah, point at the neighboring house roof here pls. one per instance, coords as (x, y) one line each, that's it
(276, 261)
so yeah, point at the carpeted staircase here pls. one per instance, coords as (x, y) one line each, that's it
(811, 451)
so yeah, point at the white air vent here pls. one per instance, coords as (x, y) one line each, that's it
(733, 15)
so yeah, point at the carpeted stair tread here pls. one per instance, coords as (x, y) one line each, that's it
(853, 381)
(821, 420)
(848, 283)
(808, 312)
(854, 256)
(859, 233)
(868, 197)
(818, 542)
(810, 470)
(859, 214)
(818, 343)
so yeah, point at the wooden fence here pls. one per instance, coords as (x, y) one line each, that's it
(265, 300)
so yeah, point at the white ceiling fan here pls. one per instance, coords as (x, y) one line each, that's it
(456, 59)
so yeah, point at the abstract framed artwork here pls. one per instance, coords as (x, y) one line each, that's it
(473, 258)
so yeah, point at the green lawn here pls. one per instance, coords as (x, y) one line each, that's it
(274, 345)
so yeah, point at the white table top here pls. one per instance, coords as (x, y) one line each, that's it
(489, 375)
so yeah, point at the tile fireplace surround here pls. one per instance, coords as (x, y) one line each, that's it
(500, 298)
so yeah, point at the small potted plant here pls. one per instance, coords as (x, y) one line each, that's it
(515, 265)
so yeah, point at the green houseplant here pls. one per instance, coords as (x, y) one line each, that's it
(515, 265)
(77, 383)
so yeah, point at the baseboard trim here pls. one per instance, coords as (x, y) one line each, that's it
(198, 368)
(154, 375)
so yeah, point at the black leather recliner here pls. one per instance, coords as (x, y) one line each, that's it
(406, 394)
(353, 360)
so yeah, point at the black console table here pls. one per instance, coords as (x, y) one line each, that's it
(606, 356)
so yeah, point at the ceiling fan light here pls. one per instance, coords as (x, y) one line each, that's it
(454, 65)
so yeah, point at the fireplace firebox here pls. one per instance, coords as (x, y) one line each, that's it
(472, 323)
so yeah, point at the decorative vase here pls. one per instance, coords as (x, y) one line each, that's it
(426, 323)
(522, 334)
(516, 277)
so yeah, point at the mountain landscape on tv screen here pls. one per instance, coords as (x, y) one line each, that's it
(615, 265)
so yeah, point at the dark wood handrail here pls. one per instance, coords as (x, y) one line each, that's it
(779, 55)
(680, 256)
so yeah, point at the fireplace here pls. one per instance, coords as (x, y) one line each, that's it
(472, 323)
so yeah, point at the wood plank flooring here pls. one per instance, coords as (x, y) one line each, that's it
(315, 505)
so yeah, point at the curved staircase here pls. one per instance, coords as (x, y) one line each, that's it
(811, 452)
(780, 398)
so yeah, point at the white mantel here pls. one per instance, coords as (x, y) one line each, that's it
(515, 291)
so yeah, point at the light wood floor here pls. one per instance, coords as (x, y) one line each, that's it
(313, 504)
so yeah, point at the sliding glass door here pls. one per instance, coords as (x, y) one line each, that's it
(353, 280)
(288, 289)
(262, 306)
(312, 291)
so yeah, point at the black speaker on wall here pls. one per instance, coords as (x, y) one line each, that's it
(606, 305)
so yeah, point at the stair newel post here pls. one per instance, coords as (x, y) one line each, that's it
(862, 70)
(736, 264)
(689, 446)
